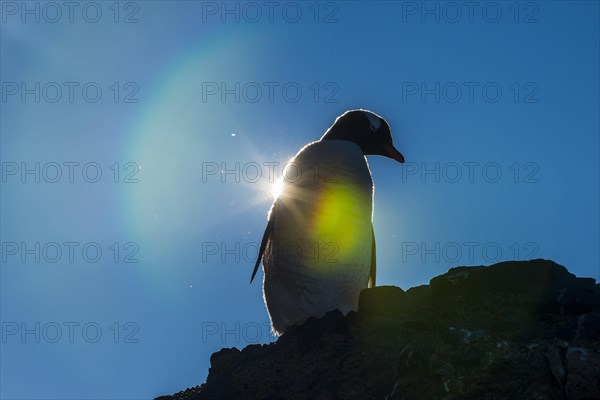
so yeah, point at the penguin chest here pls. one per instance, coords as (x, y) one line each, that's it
(318, 257)
(331, 231)
(323, 226)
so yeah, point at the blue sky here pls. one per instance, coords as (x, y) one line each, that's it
(121, 285)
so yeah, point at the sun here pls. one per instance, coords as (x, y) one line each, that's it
(277, 188)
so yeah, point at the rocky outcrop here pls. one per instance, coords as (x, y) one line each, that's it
(513, 330)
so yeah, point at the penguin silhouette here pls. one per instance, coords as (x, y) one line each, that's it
(318, 249)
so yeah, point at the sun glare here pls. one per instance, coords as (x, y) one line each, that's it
(277, 188)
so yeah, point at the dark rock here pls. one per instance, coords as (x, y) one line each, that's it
(419, 294)
(542, 283)
(222, 362)
(382, 300)
(513, 330)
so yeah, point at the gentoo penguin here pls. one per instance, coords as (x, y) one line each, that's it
(318, 249)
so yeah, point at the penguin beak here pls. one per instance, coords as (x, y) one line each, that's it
(391, 152)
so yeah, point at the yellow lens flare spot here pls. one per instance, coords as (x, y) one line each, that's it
(335, 222)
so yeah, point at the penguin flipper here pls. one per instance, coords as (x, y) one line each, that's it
(373, 272)
(263, 243)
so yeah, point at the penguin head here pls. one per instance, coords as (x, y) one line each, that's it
(368, 130)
